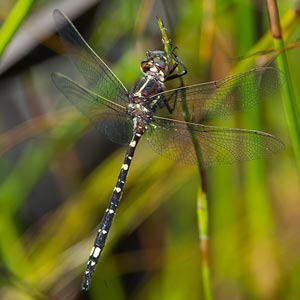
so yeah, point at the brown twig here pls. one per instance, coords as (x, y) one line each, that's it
(274, 18)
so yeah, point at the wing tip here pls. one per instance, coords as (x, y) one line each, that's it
(60, 18)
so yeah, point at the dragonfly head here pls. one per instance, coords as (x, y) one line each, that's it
(155, 62)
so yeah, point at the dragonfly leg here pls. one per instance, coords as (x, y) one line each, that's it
(164, 102)
(177, 63)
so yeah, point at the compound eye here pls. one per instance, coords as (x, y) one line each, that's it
(146, 65)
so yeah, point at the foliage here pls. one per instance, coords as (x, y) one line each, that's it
(54, 187)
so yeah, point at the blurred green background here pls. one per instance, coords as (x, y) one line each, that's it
(57, 173)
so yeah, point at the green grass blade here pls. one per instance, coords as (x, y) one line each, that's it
(290, 103)
(13, 21)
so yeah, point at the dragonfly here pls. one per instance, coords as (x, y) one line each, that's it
(158, 114)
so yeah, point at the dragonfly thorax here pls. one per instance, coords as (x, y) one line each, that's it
(142, 103)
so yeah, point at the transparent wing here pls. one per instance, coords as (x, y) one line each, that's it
(217, 145)
(118, 129)
(111, 118)
(98, 76)
(221, 98)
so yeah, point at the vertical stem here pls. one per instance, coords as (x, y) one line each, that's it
(202, 211)
(165, 39)
(291, 107)
(203, 237)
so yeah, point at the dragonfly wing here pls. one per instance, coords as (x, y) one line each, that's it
(118, 129)
(96, 73)
(220, 98)
(109, 117)
(217, 145)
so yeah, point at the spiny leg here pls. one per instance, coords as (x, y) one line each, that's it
(177, 62)
(109, 215)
